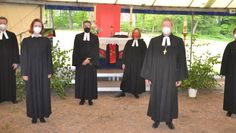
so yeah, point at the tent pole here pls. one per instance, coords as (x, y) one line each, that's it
(41, 12)
(95, 8)
(131, 20)
(191, 41)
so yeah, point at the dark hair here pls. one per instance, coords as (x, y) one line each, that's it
(234, 30)
(87, 21)
(138, 31)
(1, 17)
(31, 30)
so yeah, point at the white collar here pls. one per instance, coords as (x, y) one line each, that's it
(36, 36)
(165, 40)
(86, 36)
(3, 33)
(135, 43)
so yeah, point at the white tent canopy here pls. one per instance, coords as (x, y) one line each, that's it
(222, 4)
(210, 7)
(165, 3)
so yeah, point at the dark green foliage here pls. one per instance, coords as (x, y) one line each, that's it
(201, 73)
(62, 73)
(20, 86)
(61, 18)
(214, 27)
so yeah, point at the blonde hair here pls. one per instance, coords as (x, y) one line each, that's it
(169, 20)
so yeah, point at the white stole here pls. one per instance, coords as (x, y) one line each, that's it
(3, 33)
(165, 40)
(36, 36)
(86, 36)
(135, 43)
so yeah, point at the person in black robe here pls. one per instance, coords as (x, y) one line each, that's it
(228, 69)
(85, 58)
(36, 68)
(164, 67)
(9, 55)
(132, 62)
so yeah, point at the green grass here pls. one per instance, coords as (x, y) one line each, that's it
(217, 37)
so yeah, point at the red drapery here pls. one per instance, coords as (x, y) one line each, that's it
(108, 19)
(112, 53)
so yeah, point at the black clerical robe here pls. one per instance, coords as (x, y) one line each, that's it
(133, 58)
(86, 75)
(9, 54)
(163, 70)
(36, 63)
(228, 68)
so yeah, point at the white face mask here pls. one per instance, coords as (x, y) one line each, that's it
(37, 29)
(234, 36)
(166, 31)
(3, 27)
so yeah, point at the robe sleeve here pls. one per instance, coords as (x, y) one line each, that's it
(24, 59)
(124, 59)
(144, 50)
(95, 53)
(147, 63)
(49, 56)
(15, 48)
(75, 57)
(225, 61)
(182, 71)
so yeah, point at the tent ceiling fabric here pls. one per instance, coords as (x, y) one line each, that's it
(163, 3)
(187, 7)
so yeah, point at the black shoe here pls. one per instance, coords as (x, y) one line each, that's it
(170, 125)
(121, 94)
(34, 120)
(82, 102)
(42, 120)
(14, 101)
(136, 96)
(90, 102)
(155, 124)
(229, 114)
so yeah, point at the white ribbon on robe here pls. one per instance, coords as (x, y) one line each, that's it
(86, 36)
(3, 33)
(36, 36)
(166, 39)
(135, 43)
